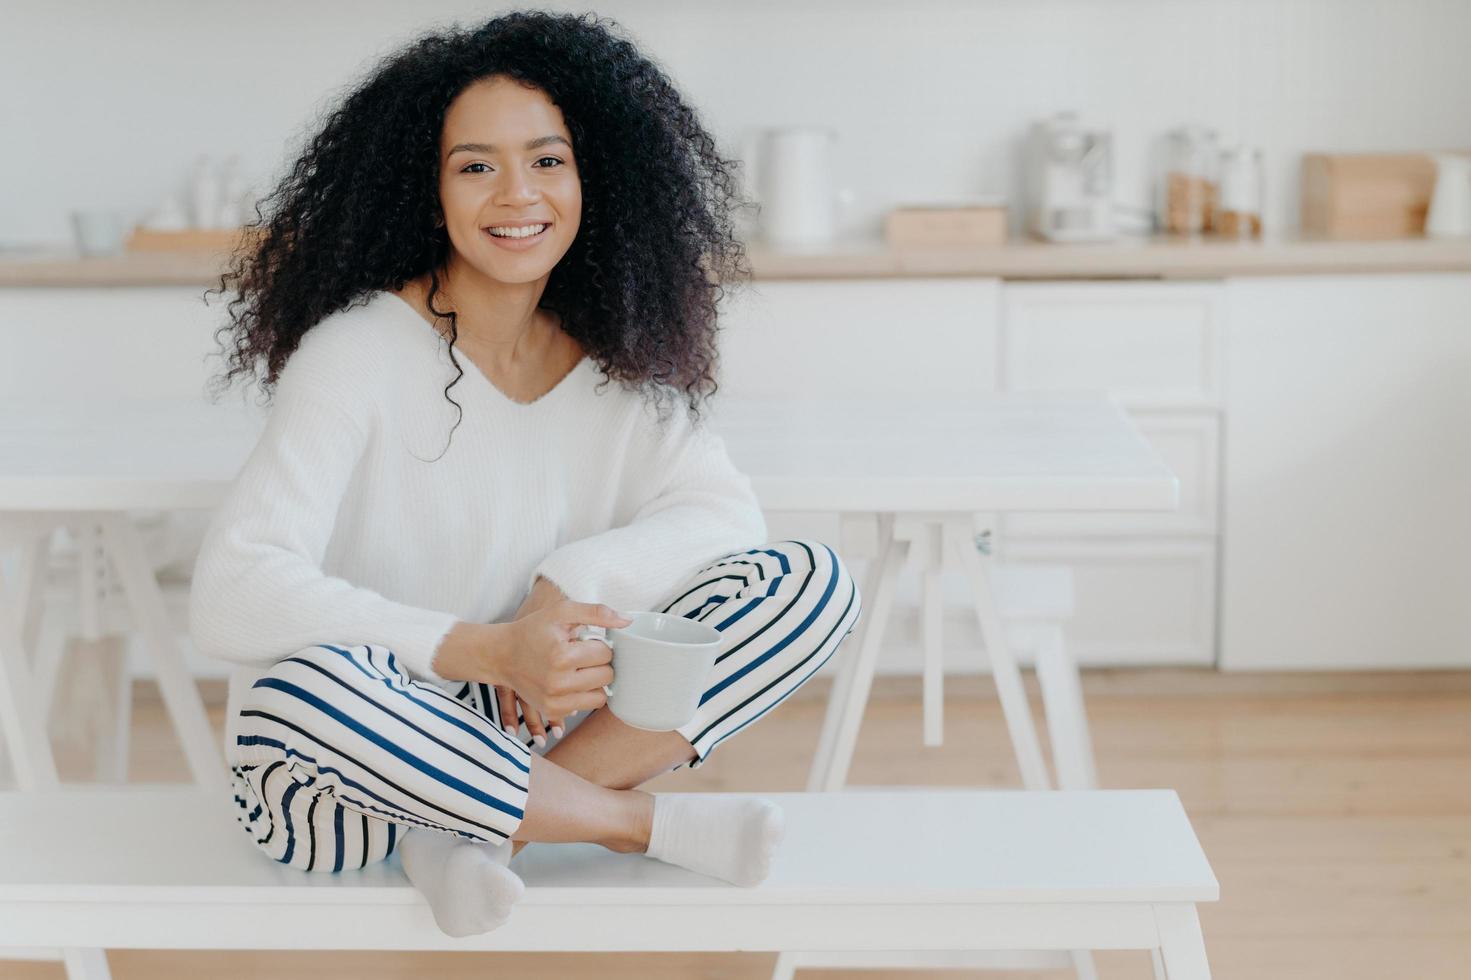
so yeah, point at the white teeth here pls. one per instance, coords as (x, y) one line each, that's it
(526, 232)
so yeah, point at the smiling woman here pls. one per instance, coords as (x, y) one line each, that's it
(415, 179)
(537, 192)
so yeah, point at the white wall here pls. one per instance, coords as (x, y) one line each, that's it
(107, 103)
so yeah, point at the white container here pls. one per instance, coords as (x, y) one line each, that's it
(790, 170)
(1238, 211)
(1450, 203)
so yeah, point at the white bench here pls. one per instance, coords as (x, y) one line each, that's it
(168, 867)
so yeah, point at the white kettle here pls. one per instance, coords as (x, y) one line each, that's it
(1450, 202)
(789, 173)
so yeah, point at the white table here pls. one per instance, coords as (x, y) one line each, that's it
(69, 465)
(938, 464)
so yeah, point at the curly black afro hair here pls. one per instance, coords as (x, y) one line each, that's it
(639, 285)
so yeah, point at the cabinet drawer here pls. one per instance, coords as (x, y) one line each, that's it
(1137, 601)
(1149, 344)
(1190, 445)
(896, 338)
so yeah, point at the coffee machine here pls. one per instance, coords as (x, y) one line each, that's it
(1070, 171)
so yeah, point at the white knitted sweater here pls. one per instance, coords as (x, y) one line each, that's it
(342, 527)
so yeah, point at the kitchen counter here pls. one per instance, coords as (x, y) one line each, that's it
(1136, 258)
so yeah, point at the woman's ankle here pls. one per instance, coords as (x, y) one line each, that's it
(636, 825)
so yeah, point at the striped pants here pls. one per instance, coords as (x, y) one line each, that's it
(339, 751)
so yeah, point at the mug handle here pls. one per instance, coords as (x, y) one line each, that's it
(607, 688)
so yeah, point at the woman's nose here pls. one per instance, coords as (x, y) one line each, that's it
(516, 188)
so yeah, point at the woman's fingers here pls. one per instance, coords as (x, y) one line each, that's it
(590, 652)
(593, 614)
(506, 699)
(534, 723)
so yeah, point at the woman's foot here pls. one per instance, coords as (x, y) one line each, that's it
(467, 884)
(724, 835)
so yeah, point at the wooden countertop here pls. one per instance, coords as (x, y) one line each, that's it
(1137, 258)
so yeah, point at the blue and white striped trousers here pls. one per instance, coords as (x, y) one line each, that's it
(340, 750)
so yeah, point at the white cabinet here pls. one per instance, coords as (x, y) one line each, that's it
(1152, 344)
(1145, 582)
(1348, 473)
(800, 339)
(99, 345)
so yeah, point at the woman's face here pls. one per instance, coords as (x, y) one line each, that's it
(506, 160)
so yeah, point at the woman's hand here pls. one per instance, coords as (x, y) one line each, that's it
(550, 671)
(543, 593)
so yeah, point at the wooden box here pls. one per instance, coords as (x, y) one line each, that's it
(978, 223)
(1378, 195)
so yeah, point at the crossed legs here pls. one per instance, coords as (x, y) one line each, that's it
(607, 754)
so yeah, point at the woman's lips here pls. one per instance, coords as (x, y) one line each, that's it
(518, 244)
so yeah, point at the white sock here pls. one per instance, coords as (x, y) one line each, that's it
(467, 884)
(725, 835)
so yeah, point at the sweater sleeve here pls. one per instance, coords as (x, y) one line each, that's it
(258, 592)
(698, 508)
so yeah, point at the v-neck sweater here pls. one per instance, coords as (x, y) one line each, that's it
(358, 519)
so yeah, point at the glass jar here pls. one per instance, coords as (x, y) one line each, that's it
(1187, 183)
(1239, 210)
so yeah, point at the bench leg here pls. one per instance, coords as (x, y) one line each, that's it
(1181, 945)
(30, 749)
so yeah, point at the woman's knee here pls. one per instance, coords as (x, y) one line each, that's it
(819, 566)
(310, 691)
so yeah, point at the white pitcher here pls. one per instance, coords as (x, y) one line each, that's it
(1450, 203)
(789, 174)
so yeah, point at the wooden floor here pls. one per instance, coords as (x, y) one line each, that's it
(1335, 809)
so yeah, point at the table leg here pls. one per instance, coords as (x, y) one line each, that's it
(1083, 967)
(107, 656)
(1067, 721)
(86, 964)
(1004, 669)
(851, 700)
(843, 679)
(181, 696)
(930, 636)
(1181, 945)
(24, 725)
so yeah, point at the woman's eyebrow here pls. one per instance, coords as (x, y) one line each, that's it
(491, 148)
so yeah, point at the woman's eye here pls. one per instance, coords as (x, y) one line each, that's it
(468, 166)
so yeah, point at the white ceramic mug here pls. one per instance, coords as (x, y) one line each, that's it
(661, 667)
